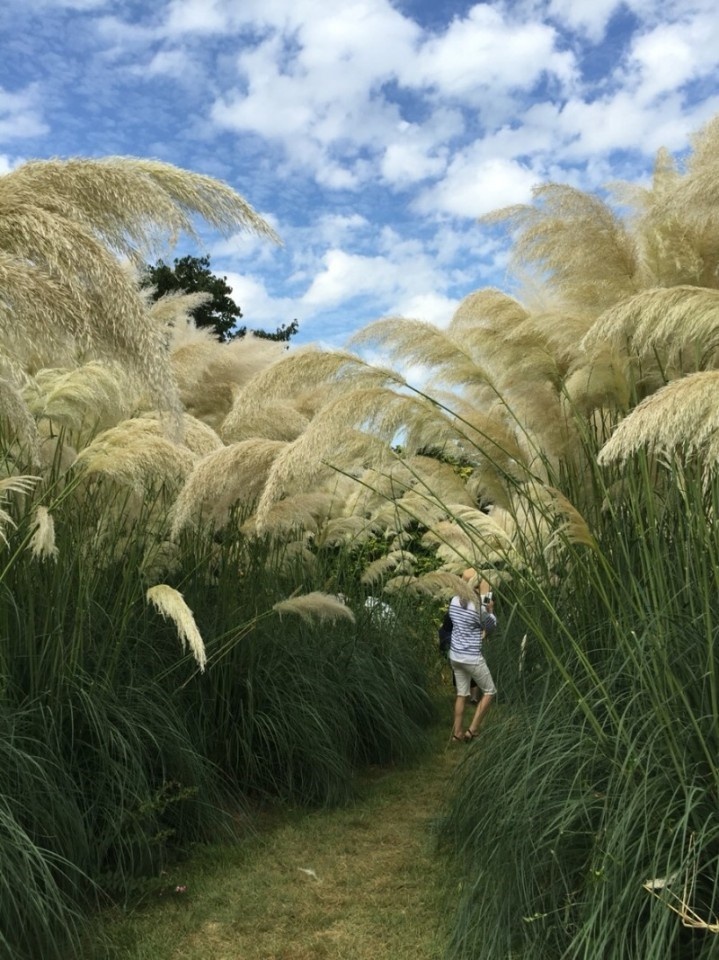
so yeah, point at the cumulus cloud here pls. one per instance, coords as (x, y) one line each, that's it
(474, 186)
(404, 277)
(590, 17)
(196, 17)
(624, 122)
(80, 5)
(20, 114)
(405, 163)
(260, 308)
(433, 307)
(314, 90)
(245, 245)
(171, 63)
(339, 121)
(672, 55)
(488, 51)
(334, 90)
(331, 228)
(348, 275)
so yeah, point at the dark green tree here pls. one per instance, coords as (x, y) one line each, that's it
(283, 333)
(193, 275)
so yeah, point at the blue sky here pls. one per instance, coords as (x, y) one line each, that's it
(371, 134)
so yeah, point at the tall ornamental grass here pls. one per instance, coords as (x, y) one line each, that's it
(584, 823)
(119, 750)
(581, 416)
(154, 674)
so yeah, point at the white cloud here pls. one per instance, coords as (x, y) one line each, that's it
(486, 51)
(260, 309)
(244, 245)
(474, 186)
(624, 122)
(672, 55)
(405, 163)
(123, 36)
(403, 278)
(433, 307)
(80, 5)
(20, 116)
(195, 16)
(590, 17)
(171, 63)
(318, 86)
(346, 276)
(320, 94)
(429, 128)
(415, 152)
(332, 228)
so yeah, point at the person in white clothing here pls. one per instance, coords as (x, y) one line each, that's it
(471, 622)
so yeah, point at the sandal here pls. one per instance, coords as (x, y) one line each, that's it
(468, 735)
(458, 739)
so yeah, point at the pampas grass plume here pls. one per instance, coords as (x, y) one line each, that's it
(42, 543)
(222, 478)
(681, 415)
(171, 605)
(22, 485)
(315, 606)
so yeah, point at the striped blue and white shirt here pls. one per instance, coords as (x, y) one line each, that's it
(469, 625)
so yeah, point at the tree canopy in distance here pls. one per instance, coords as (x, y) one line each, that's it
(193, 275)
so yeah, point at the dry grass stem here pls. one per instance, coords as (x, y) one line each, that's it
(416, 341)
(306, 461)
(63, 225)
(682, 322)
(19, 427)
(351, 529)
(210, 374)
(303, 370)
(577, 243)
(396, 561)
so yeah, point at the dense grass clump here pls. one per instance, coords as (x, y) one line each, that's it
(119, 752)
(160, 664)
(584, 823)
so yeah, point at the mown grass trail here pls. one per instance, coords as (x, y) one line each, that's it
(348, 884)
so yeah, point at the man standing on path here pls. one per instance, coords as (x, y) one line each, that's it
(471, 621)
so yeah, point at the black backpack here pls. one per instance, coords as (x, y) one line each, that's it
(445, 634)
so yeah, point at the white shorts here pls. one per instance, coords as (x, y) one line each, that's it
(478, 671)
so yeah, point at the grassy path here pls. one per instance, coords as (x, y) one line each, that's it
(348, 884)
